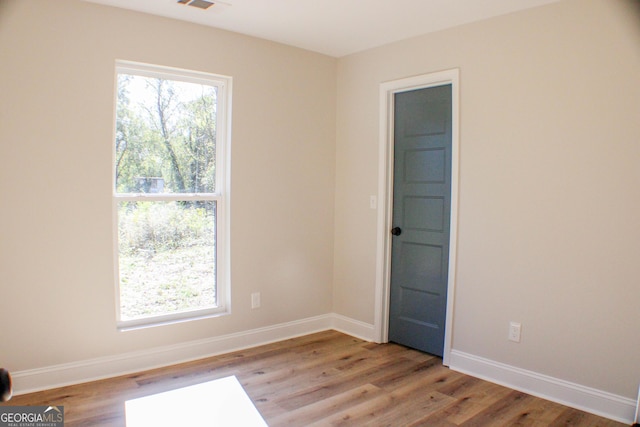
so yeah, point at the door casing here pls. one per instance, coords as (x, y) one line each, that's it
(385, 198)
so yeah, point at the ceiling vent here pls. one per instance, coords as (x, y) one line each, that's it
(201, 4)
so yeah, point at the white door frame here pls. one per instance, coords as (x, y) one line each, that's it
(385, 197)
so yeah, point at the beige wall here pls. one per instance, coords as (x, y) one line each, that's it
(549, 208)
(56, 118)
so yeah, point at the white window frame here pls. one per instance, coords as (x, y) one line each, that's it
(221, 195)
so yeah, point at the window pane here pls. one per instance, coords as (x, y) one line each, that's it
(165, 136)
(166, 256)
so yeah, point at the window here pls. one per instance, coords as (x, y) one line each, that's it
(170, 197)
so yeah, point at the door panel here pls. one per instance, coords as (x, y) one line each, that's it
(424, 213)
(424, 166)
(421, 265)
(422, 210)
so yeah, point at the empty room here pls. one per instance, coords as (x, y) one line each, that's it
(416, 212)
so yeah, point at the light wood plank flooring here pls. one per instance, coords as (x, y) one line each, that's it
(324, 379)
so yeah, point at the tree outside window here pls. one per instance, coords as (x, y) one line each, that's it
(169, 193)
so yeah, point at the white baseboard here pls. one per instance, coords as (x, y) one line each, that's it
(352, 327)
(586, 399)
(105, 367)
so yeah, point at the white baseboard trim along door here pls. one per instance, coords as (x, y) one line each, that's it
(577, 396)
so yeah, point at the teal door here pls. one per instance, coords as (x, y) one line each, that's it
(421, 217)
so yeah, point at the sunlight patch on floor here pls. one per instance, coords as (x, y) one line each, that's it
(221, 402)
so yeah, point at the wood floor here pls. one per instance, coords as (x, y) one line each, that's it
(327, 379)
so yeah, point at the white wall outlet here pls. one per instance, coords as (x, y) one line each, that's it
(515, 329)
(255, 300)
(373, 202)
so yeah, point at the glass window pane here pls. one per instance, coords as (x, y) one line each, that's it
(167, 257)
(165, 136)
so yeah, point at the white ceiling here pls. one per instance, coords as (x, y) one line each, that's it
(332, 27)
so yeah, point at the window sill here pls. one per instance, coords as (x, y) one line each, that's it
(170, 319)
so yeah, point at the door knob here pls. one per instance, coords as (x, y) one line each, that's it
(396, 231)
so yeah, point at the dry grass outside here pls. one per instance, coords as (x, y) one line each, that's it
(167, 281)
(166, 257)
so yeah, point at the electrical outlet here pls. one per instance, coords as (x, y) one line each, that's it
(515, 330)
(255, 300)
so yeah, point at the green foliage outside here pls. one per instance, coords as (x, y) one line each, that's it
(165, 133)
(165, 129)
(152, 227)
